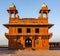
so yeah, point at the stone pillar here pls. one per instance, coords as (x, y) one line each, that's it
(41, 14)
(23, 42)
(40, 42)
(33, 43)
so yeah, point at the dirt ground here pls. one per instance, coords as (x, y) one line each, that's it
(6, 52)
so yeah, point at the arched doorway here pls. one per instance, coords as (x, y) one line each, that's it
(28, 43)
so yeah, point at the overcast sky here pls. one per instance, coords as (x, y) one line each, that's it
(30, 9)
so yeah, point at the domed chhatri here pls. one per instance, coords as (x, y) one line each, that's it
(25, 33)
(12, 10)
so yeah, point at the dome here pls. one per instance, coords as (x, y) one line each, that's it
(12, 5)
(44, 5)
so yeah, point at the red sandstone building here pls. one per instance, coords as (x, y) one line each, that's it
(30, 33)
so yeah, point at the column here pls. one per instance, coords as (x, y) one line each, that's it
(23, 42)
(33, 43)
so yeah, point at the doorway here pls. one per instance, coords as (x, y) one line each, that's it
(28, 43)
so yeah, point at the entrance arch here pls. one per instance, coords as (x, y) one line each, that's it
(28, 43)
